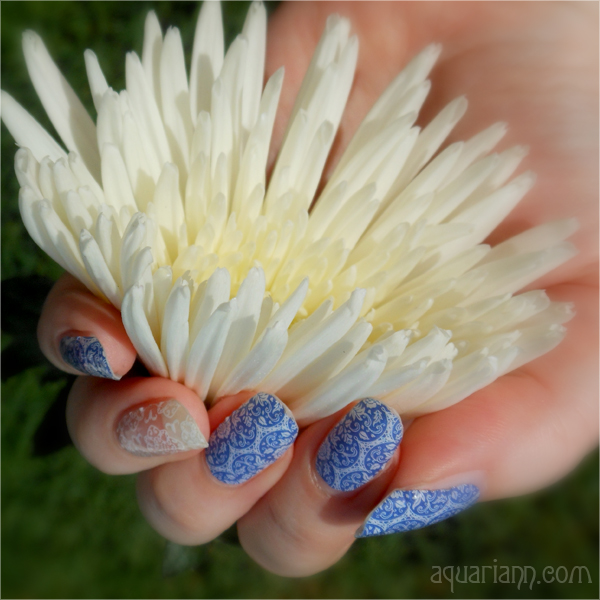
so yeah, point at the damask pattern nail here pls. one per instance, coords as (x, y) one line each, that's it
(359, 446)
(405, 510)
(158, 429)
(86, 354)
(250, 439)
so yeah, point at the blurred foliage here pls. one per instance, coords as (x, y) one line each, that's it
(69, 531)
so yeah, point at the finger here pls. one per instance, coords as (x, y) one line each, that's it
(135, 424)
(81, 334)
(193, 501)
(519, 434)
(342, 466)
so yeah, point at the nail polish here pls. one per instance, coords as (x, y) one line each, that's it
(359, 446)
(159, 428)
(405, 510)
(253, 437)
(87, 355)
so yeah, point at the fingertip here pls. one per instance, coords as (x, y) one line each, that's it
(263, 419)
(135, 424)
(83, 335)
(250, 449)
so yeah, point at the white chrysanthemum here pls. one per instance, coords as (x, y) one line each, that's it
(383, 288)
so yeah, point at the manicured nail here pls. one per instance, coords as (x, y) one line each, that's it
(86, 354)
(359, 446)
(158, 429)
(405, 510)
(250, 439)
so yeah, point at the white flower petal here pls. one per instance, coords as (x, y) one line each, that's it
(115, 180)
(418, 390)
(468, 375)
(330, 363)
(479, 145)
(349, 385)
(207, 348)
(85, 178)
(169, 208)
(393, 379)
(241, 333)
(27, 132)
(146, 111)
(28, 209)
(534, 239)
(252, 369)
(175, 97)
(151, 53)
(536, 341)
(509, 275)
(64, 243)
(208, 299)
(431, 138)
(255, 30)
(97, 81)
(98, 269)
(139, 331)
(207, 56)
(175, 330)
(312, 344)
(64, 108)
(27, 171)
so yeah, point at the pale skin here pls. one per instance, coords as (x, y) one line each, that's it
(532, 65)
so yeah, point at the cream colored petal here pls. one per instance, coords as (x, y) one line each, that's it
(64, 108)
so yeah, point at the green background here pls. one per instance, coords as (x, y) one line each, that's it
(69, 531)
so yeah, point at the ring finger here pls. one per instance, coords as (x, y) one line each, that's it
(342, 466)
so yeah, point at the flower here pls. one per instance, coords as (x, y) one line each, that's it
(383, 288)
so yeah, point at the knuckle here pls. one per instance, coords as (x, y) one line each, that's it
(278, 542)
(170, 508)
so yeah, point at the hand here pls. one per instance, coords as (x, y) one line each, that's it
(532, 65)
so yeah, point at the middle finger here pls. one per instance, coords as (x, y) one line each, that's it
(194, 500)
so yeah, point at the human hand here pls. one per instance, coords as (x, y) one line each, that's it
(524, 64)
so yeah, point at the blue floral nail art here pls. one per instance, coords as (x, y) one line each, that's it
(359, 446)
(405, 510)
(250, 439)
(86, 354)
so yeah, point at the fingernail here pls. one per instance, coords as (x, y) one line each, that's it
(250, 439)
(359, 446)
(405, 510)
(159, 428)
(87, 355)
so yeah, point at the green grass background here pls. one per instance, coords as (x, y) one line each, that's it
(69, 531)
